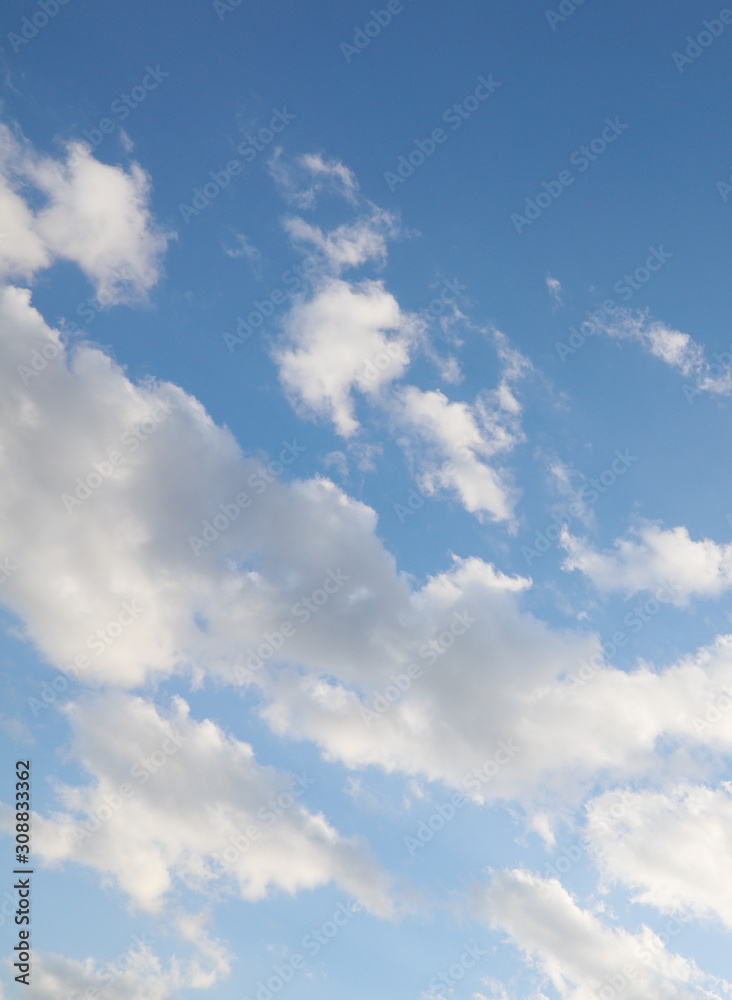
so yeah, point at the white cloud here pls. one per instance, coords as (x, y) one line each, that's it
(95, 215)
(130, 541)
(348, 245)
(135, 972)
(672, 849)
(676, 349)
(653, 558)
(196, 815)
(555, 289)
(246, 249)
(456, 439)
(337, 342)
(578, 953)
(302, 180)
(452, 447)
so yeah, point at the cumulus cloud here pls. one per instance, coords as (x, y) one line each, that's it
(652, 558)
(673, 848)
(204, 604)
(94, 214)
(456, 440)
(579, 953)
(178, 802)
(135, 972)
(347, 336)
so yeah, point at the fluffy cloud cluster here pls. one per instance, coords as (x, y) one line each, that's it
(672, 848)
(143, 542)
(578, 953)
(175, 800)
(652, 558)
(93, 214)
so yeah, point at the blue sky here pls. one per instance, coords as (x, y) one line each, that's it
(453, 501)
